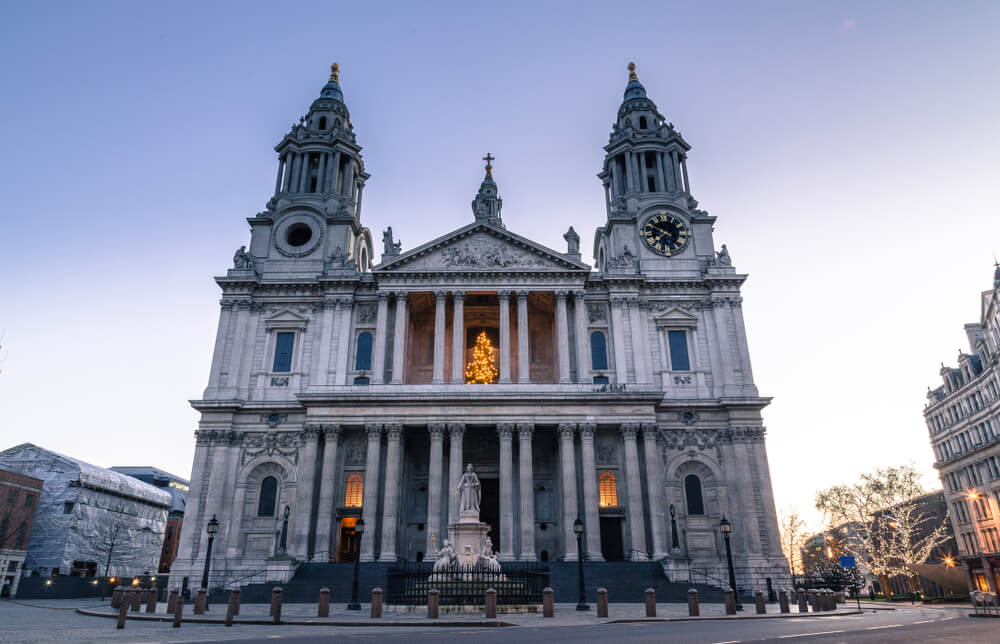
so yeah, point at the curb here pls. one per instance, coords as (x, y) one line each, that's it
(266, 621)
(727, 618)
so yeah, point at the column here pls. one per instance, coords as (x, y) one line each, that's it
(378, 366)
(435, 472)
(677, 170)
(725, 370)
(640, 351)
(582, 339)
(618, 336)
(369, 501)
(390, 511)
(348, 187)
(629, 174)
(567, 459)
(643, 182)
(591, 499)
(505, 431)
(335, 172)
(289, 170)
(327, 490)
(299, 538)
(321, 367)
(660, 187)
(321, 177)
(562, 337)
(523, 356)
(439, 311)
(654, 488)
(684, 170)
(504, 336)
(458, 338)
(527, 491)
(455, 433)
(304, 170)
(345, 307)
(277, 181)
(399, 341)
(636, 525)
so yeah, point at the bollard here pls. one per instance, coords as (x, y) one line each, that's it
(200, 601)
(122, 612)
(491, 603)
(602, 602)
(172, 602)
(276, 605)
(548, 603)
(830, 600)
(811, 599)
(116, 597)
(433, 599)
(135, 597)
(231, 607)
(650, 602)
(237, 600)
(758, 598)
(178, 611)
(803, 604)
(730, 602)
(376, 603)
(324, 602)
(693, 610)
(151, 600)
(783, 601)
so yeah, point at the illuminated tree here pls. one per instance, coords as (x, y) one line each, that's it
(481, 370)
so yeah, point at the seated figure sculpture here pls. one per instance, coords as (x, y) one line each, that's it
(446, 558)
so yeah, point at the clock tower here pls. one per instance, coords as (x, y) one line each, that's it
(654, 226)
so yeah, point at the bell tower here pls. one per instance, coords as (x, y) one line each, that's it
(653, 223)
(312, 224)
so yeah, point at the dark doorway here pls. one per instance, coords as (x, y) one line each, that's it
(611, 539)
(489, 509)
(349, 541)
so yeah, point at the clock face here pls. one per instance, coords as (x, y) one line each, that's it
(665, 234)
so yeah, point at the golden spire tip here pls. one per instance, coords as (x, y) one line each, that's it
(335, 72)
(631, 72)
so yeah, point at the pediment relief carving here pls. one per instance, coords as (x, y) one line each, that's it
(676, 317)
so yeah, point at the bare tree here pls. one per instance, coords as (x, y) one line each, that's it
(793, 536)
(114, 542)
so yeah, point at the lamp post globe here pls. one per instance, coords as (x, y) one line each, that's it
(578, 529)
(359, 529)
(211, 529)
(725, 527)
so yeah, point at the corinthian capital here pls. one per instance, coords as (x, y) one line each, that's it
(567, 430)
(629, 431)
(374, 431)
(587, 431)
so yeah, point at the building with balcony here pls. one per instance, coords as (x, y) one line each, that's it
(963, 419)
(342, 389)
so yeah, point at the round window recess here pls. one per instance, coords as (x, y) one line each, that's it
(299, 235)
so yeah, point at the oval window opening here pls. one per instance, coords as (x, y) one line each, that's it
(299, 235)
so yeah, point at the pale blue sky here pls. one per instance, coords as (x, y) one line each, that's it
(847, 149)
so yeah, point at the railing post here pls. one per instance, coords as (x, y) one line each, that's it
(178, 610)
(730, 602)
(324, 602)
(650, 602)
(548, 603)
(276, 605)
(758, 597)
(783, 601)
(491, 603)
(693, 609)
(433, 597)
(602, 602)
(376, 603)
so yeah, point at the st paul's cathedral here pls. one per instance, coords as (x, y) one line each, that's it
(620, 394)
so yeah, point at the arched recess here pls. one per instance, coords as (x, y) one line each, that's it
(257, 533)
(697, 532)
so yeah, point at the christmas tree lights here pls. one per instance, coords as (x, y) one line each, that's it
(481, 370)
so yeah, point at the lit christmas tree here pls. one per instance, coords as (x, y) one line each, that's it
(481, 370)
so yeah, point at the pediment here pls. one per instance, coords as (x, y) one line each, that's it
(676, 317)
(286, 320)
(480, 247)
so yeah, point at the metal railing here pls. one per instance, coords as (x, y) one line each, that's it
(984, 603)
(259, 577)
(518, 583)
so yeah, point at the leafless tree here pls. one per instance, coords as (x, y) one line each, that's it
(793, 536)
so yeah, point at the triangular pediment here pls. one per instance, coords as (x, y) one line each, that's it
(676, 317)
(480, 247)
(286, 320)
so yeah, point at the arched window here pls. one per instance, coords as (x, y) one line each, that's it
(268, 497)
(642, 122)
(598, 351)
(354, 491)
(364, 261)
(363, 355)
(692, 489)
(609, 490)
(322, 122)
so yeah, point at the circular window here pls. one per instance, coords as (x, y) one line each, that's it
(299, 235)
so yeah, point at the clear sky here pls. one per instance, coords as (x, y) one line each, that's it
(847, 149)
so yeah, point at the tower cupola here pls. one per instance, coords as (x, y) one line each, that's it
(486, 206)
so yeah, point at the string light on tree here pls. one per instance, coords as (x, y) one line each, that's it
(481, 370)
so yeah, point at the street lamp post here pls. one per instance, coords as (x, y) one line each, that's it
(725, 528)
(359, 529)
(213, 526)
(578, 529)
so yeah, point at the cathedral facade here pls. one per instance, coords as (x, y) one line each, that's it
(620, 394)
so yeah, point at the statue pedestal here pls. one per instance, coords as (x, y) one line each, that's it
(468, 538)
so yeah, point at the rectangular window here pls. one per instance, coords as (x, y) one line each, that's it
(677, 341)
(283, 345)
(29, 500)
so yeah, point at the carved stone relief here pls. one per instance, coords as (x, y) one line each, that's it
(604, 450)
(597, 312)
(486, 253)
(354, 452)
(271, 443)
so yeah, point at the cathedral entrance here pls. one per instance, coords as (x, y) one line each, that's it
(612, 546)
(349, 540)
(489, 509)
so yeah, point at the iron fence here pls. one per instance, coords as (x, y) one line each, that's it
(407, 583)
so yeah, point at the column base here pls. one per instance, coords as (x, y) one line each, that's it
(504, 381)
(659, 555)
(367, 558)
(570, 556)
(595, 557)
(639, 556)
(438, 381)
(507, 556)
(528, 556)
(387, 557)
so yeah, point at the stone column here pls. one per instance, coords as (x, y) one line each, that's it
(458, 338)
(321, 368)
(369, 502)
(505, 431)
(304, 172)
(591, 498)
(335, 171)
(439, 311)
(435, 472)
(567, 459)
(643, 183)
(527, 491)
(618, 337)
(293, 184)
(455, 433)
(378, 364)
(322, 173)
(390, 511)
(562, 336)
(523, 356)
(684, 170)
(348, 190)
(399, 339)
(287, 179)
(678, 182)
(327, 490)
(725, 370)
(582, 340)
(504, 336)
(298, 542)
(640, 349)
(654, 489)
(277, 182)
(660, 187)
(636, 525)
(345, 307)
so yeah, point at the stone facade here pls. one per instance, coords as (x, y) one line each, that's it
(963, 419)
(624, 395)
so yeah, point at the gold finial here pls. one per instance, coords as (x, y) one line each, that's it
(489, 168)
(631, 72)
(335, 72)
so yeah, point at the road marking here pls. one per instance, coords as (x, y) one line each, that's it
(926, 621)
(875, 628)
(729, 642)
(783, 637)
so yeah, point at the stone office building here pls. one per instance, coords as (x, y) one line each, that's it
(620, 394)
